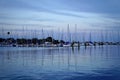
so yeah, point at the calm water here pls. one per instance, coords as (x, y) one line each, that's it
(100, 63)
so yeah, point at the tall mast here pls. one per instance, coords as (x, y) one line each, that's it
(83, 36)
(90, 36)
(106, 36)
(42, 33)
(2, 32)
(101, 36)
(75, 32)
(69, 36)
(62, 34)
(23, 32)
(58, 34)
(52, 32)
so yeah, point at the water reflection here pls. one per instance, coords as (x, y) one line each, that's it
(39, 62)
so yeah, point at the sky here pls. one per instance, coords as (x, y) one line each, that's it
(54, 14)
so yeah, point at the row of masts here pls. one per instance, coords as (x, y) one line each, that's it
(70, 37)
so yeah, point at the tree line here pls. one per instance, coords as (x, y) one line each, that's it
(35, 41)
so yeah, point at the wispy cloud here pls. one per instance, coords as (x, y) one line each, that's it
(85, 13)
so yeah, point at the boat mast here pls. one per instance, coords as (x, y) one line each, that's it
(42, 34)
(90, 36)
(75, 32)
(69, 36)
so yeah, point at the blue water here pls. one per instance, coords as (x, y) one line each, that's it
(91, 63)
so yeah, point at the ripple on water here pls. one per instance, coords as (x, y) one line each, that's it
(59, 64)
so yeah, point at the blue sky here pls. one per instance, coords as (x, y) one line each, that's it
(54, 14)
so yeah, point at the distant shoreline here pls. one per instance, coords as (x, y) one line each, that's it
(49, 42)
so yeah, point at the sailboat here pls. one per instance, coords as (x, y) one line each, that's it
(68, 43)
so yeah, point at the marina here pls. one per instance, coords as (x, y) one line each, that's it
(53, 38)
(59, 39)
